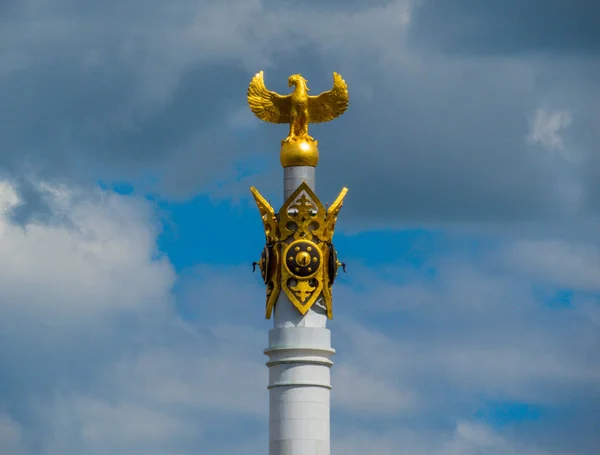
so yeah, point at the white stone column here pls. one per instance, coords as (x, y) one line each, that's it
(299, 366)
(293, 177)
(299, 389)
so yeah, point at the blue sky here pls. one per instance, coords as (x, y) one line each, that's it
(130, 321)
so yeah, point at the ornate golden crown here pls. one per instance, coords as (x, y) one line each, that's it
(299, 256)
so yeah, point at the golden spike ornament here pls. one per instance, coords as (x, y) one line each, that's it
(298, 109)
(299, 257)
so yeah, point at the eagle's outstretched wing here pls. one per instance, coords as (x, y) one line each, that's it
(331, 104)
(267, 105)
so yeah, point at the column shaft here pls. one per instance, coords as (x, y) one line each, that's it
(293, 177)
(299, 388)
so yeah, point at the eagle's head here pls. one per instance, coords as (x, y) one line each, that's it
(297, 79)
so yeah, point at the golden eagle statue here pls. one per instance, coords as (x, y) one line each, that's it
(299, 108)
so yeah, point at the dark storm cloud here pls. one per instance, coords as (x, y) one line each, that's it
(63, 118)
(118, 92)
(430, 153)
(509, 26)
(446, 140)
(112, 92)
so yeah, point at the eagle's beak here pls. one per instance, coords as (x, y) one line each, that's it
(290, 82)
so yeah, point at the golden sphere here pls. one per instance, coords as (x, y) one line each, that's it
(299, 153)
(303, 258)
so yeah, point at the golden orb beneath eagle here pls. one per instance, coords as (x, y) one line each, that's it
(299, 152)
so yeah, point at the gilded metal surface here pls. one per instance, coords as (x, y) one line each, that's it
(268, 216)
(298, 109)
(301, 258)
(302, 215)
(332, 214)
(274, 283)
(299, 153)
(327, 248)
(269, 261)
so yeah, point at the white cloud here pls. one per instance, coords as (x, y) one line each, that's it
(482, 326)
(97, 361)
(366, 392)
(548, 129)
(124, 424)
(467, 438)
(547, 126)
(556, 262)
(97, 254)
(476, 439)
(222, 377)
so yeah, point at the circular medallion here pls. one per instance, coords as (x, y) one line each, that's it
(303, 258)
(333, 263)
(265, 259)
